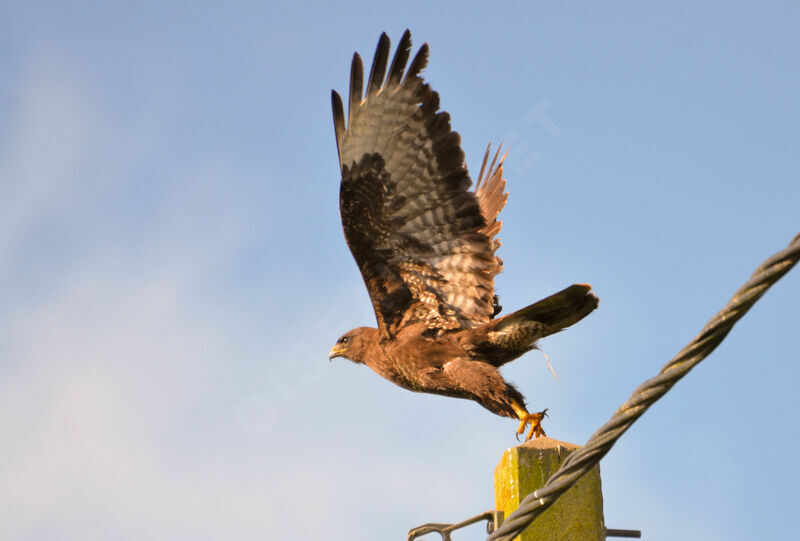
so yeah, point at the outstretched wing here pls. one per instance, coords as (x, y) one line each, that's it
(492, 197)
(422, 241)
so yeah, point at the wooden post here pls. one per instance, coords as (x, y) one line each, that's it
(578, 514)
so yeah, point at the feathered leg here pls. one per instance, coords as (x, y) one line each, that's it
(483, 383)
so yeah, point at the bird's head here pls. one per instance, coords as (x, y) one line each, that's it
(353, 344)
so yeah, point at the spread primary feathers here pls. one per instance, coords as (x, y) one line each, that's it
(425, 244)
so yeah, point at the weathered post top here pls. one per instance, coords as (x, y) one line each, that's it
(578, 514)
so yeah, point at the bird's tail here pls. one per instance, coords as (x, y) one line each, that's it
(506, 338)
(556, 312)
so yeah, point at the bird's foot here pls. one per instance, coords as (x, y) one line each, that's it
(535, 420)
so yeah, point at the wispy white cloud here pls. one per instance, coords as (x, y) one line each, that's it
(48, 139)
(172, 272)
(124, 348)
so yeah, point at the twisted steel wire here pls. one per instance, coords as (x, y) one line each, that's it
(645, 395)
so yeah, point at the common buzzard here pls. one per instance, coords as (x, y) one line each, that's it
(425, 245)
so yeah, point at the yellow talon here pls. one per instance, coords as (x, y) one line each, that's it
(535, 420)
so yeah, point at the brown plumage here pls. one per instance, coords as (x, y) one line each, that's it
(425, 245)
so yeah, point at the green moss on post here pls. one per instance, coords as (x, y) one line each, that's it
(578, 514)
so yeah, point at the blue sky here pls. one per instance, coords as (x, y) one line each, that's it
(173, 271)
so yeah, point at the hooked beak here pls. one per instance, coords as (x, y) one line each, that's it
(337, 351)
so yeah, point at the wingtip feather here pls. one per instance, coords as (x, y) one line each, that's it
(356, 85)
(400, 59)
(379, 61)
(419, 62)
(483, 167)
(338, 121)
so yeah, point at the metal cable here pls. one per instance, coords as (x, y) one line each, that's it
(584, 459)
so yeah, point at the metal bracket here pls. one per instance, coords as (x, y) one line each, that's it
(493, 520)
(632, 534)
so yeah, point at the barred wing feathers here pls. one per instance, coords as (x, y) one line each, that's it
(492, 197)
(422, 241)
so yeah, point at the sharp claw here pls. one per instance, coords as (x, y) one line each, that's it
(535, 422)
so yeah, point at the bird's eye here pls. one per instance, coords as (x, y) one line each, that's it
(343, 340)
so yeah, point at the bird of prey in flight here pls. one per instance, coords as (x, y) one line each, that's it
(425, 245)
